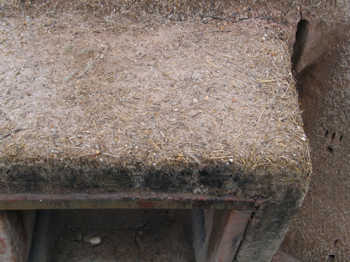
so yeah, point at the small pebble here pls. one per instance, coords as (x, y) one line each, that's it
(94, 241)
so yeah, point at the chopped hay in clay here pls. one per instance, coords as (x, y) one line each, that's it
(119, 103)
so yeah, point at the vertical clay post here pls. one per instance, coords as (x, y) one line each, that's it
(244, 236)
(268, 227)
(14, 238)
(217, 234)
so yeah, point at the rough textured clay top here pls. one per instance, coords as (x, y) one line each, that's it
(146, 103)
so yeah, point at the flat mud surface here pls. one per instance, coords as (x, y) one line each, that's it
(145, 92)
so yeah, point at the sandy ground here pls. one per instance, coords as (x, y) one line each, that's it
(321, 230)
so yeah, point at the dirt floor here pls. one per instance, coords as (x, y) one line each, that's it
(119, 235)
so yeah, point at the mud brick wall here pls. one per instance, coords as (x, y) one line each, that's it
(321, 231)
